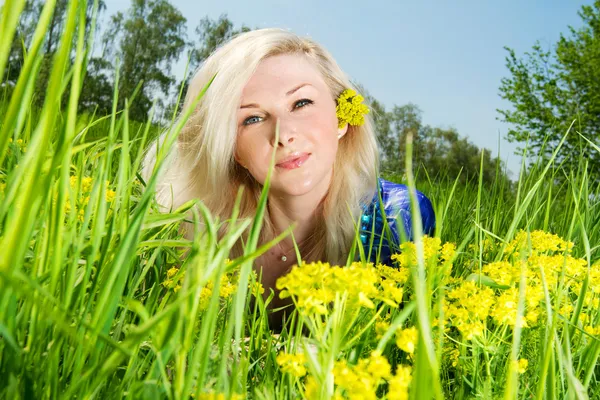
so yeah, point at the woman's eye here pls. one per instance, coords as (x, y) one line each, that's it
(251, 120)
(302, 103)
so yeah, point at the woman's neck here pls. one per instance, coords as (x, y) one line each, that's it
(283, 214)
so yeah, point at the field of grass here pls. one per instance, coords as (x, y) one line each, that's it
(95, 301)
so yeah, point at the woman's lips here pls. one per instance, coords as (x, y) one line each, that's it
(295, 162)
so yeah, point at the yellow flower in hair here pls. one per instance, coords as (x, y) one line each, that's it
(350, 109)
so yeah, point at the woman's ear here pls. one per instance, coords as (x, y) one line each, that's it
(342, 131)
(237, 160)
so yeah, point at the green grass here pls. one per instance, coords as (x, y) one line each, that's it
(96, 302)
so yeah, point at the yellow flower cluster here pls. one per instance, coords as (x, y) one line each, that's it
(481, 311)
(350, 109)
(505, 309)
(434, 253)
(20, 144)
(542, 257)
(381, 325)
(595, 280)
(592, 330)
(541, 242)
(521, 365)
(85, 189)
(228, 285)
(468, 307)
(292, 364)
(399, 383)
(314, 286)
(406, 339)
(545, 263)
(361, 381)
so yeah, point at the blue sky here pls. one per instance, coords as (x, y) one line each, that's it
(446, 57)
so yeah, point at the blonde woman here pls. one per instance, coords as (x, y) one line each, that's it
(327, 158)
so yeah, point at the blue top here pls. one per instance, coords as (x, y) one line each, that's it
(396, 206)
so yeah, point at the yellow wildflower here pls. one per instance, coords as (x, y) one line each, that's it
(595, 277)
(431, 252)
(377, 366)
(566, 310)
(447, 252)
(502, 272)
(399, 383)
(110, 195)
(86, 184)
(349, 109)
(594, 331)
(398, 275)
(454, 355)
(541, 242)
(381, 328)
(468, 308)
(521, 365)
(292, 364)
(505, 309)
(406, 339)
(311, 388)
(227, 288)
(256, 288)
(172, 272)
(205, 295)
(361, 381)
(393, 292)
(314, 286)
(81, 215)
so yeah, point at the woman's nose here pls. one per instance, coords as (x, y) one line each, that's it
(287, 132)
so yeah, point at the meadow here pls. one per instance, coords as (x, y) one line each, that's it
(98, 301)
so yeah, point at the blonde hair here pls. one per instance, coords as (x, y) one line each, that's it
(202, 165)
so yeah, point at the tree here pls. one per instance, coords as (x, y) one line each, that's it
(26, 27)
(146, 40)
(381, 120)
(22, 39)
(212, 34)
(441, 152)
(550, 88)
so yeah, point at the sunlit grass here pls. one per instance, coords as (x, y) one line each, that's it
(101, 296)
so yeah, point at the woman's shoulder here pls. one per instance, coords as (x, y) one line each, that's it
(396, 197)
(395, 209)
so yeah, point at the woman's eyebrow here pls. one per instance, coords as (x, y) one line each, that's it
(297, 88)
(254, 105)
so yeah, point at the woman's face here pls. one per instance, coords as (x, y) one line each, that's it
(288, 88)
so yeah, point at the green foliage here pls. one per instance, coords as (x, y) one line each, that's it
(212, 34)
(22, 40)
(145, 40)
(549, 88)
(442, 152)
(102, 297)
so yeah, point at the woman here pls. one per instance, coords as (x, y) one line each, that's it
(327, 158)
